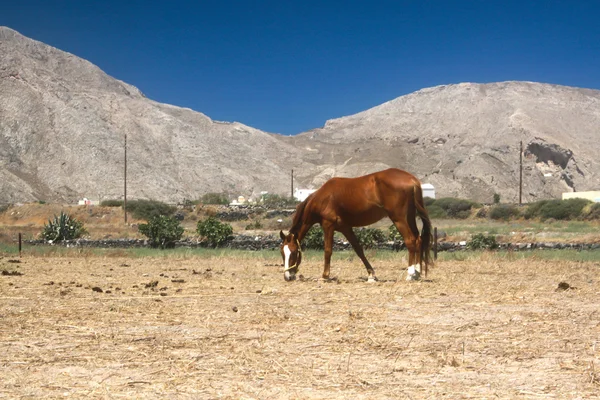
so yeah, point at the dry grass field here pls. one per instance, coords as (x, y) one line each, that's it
(229, 327)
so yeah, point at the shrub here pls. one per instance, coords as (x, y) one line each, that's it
(481, 241)
(63, 227)
(162, 231)
(111, 203)
(557, 209)
(436, 212)
(533, 209)
(147, 209)
(496, 198)
(314, 239)
(369, 237)
(563, 209)
(276, 201)
(215, 198)
(428, 201)
(4, 207)
(254, 225)
(504, 212)
(215, 232)
(394, 235)
(455, 208)
(591, 211)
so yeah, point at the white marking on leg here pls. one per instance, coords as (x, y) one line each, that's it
(413, 273)
(372, 278)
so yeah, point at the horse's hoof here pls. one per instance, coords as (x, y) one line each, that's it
(372, 279)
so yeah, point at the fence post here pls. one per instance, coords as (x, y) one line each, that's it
(435, 243)
(20, 247)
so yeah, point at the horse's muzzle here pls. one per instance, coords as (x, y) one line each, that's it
(289, 276)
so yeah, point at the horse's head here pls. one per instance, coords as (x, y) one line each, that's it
(292, 255)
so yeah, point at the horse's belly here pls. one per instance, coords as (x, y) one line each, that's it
(366, 218)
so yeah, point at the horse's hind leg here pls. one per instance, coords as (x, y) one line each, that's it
(410, 234)
(349, 233)
(328, 247)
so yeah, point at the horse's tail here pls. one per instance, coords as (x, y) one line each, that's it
(426, 235)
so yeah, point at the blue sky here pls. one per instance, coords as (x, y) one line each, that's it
(288, 66)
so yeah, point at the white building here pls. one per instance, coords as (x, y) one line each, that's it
(428, 190)
(302, 194)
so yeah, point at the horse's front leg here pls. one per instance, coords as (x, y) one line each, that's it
(349, 233)
(328, 239)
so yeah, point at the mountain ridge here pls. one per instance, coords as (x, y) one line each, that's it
(63, 123)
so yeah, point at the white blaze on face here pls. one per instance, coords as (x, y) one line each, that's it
(287, 253)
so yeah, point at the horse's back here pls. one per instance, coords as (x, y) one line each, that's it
(397, 178)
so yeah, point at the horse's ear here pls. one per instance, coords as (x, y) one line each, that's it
(281, 235)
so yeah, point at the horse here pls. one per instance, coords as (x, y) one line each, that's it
(343, 203)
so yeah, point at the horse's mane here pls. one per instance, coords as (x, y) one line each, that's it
(298, 216)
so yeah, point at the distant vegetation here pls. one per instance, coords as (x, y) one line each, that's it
(147, 209)
(142, 209)
(450, 207)
(557, 209)
(111, 203)
(276, 201)
(215, 198)
(564, 210)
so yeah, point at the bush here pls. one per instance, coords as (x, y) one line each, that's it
(436, 212)
(111, 203)
(63, 227)
(4, 207)
(481, 241)
(148, 209)
(591, 211)
(215, 232)
(557, 209)
(455, 208)
(533, 209)
(428, 201)
(496, 198)
(394, 235)
(504, 212)
(314, 238)
(276, 201)
(369, 237)
(254, 225)
(215, 198)
(162, 231)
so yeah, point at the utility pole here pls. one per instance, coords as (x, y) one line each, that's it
(292, 195)
(521, 174)
(125, 181)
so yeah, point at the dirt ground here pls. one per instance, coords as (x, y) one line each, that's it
(231, 328)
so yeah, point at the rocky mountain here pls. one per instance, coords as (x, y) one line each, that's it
(63, 124)
(62, 131)
(465, 139)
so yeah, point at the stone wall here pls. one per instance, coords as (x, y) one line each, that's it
(272, 242)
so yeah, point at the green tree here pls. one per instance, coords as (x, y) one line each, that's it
(162, 231)
(214, 231)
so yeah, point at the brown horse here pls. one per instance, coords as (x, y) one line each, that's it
(343, 203)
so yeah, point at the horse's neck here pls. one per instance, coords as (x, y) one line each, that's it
(299, 220)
